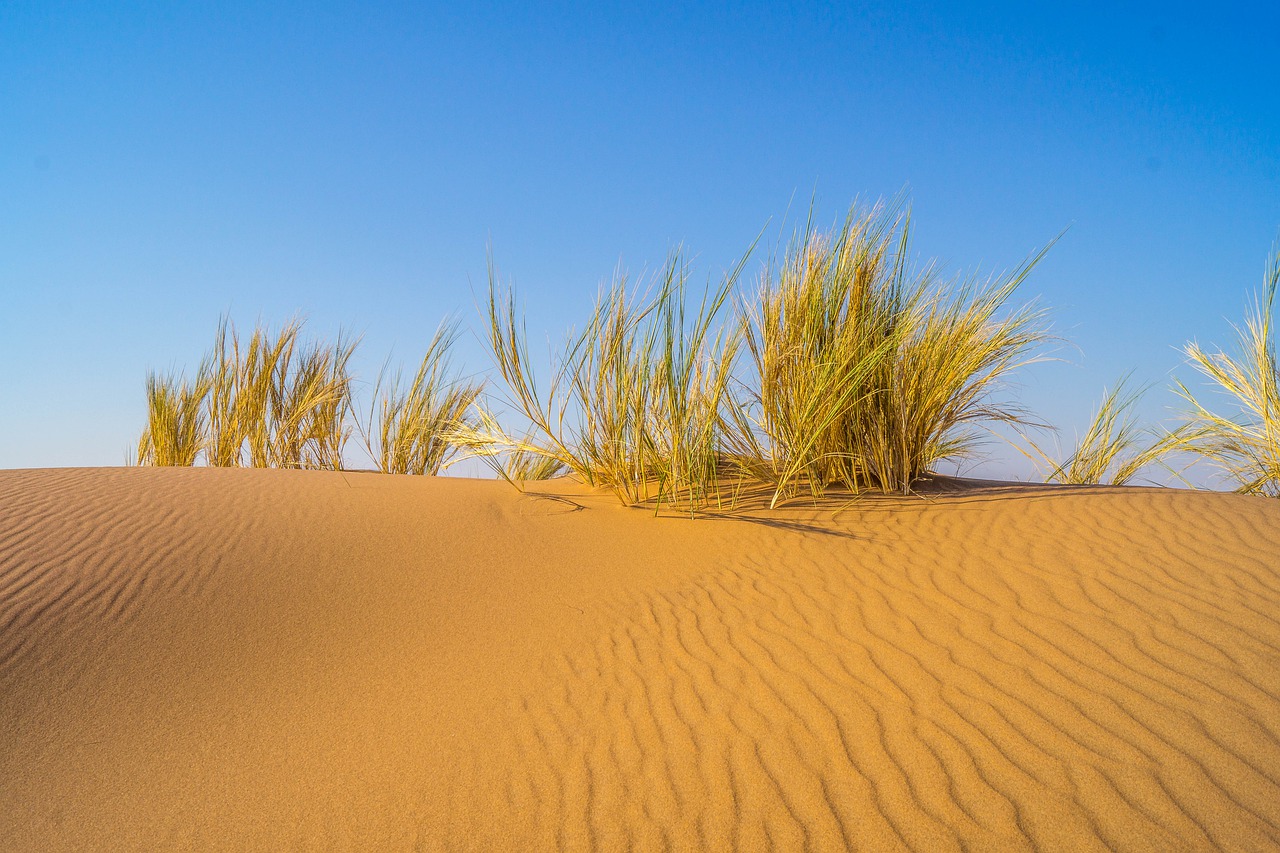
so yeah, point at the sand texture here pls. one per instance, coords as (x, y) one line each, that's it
(271, 660)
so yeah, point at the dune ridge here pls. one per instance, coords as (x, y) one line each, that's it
(220, 658)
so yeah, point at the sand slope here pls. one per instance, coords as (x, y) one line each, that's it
(209, 659)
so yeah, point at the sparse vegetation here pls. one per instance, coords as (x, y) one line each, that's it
(277, 401)
(633, 403)
(859, 372)
(410, 431)
(847, 366)
(867, 374)
(1114, 447)
(1244, 442)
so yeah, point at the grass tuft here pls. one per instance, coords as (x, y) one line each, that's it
(271, 402)
(867, 374)
(410, 430)
(634, 401)
(276, 401)
(176, 428)
(1113, 449)
(1245, 441)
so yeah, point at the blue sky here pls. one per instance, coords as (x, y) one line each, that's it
(162, 163)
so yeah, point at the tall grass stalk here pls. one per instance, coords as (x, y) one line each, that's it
(1245, 441)
(411, 430)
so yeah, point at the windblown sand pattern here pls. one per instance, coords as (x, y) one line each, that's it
(235, 659)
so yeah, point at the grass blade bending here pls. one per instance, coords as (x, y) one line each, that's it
(866, 374)
(1245, 442)
(413, 430)
(1113, 449)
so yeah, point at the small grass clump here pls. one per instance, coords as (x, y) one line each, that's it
(177, 429)
(277, 401)
(868, 374)
(1114, 447)
(409, 430)
(1245, 441)
(633, 404)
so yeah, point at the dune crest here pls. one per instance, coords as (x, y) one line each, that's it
(202, 658)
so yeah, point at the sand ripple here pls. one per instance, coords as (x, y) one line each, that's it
(1089, 672)
(216, 660)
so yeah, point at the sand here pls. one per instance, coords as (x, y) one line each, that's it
(270, 660)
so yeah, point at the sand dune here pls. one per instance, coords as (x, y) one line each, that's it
(235, 659)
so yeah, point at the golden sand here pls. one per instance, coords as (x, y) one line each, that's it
(270, 660)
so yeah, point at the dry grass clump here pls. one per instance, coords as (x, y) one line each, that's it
(276, 401)
(860, 370)
(409, 430)
(634, 399)
(1244, 443)
(176, 428)
(1113, 449)
(822, 321)
(867, 374)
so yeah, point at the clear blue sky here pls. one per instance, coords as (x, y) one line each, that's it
(163, 163)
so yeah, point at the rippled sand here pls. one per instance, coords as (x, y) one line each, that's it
(232, 659)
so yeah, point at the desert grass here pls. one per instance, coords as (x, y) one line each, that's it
(277, 401)
(591, 416)
(821, 323)
(950, 376)
(866, 373)
(176, 428)
(524, 464)
(1244, 439)
(695, 361)
(310, 403)
(634, 399)
(409, 430)
(273, 401)
(847, 365)
(1114, 448)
